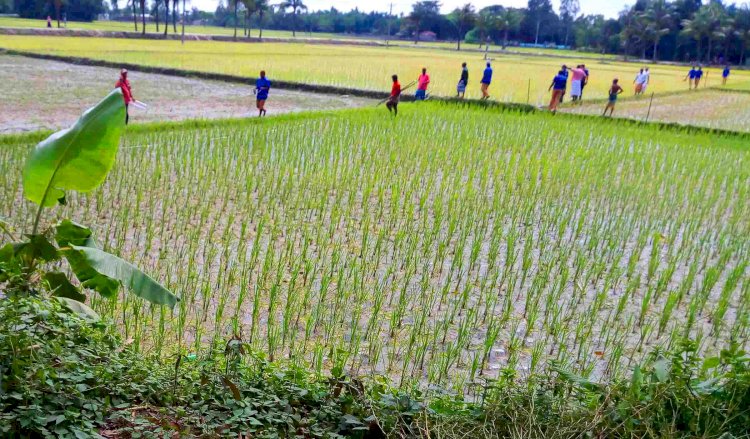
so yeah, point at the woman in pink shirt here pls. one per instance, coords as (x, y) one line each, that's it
(422, 83)
(576, 82)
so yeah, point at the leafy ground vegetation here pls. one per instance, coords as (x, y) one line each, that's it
(516, 78)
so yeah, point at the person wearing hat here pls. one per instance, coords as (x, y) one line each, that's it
(127, 93)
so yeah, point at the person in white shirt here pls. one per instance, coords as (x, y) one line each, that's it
(647, 78)
(639, 80)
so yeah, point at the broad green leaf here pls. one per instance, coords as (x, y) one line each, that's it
(81, 309)
(68, 232)
(37, 247)
(77, 158)
(710, 363)
(60, 285)
(138, 282)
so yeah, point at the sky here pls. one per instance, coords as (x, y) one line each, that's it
(608, 8)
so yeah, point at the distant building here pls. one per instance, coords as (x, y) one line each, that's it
(427, 36)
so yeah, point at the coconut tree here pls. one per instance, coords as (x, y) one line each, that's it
(249, 9)
(485, 24)
(507, 20)
(658, 20)
(711, 23)
(296, 6)
(463, 18)
(261, 7)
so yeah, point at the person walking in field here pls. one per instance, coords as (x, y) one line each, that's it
(725, 75)
(486, 80)
(698, 76)
(646, 80)
(262, 86)
(558, 85)
(578, 75)
(392, 102)
(49, 21)
(640, 78)
(127, 93)
(422, 82)
(690, 77)
(461, 87)
(614, 91)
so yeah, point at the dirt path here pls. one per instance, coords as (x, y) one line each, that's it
(39, 94)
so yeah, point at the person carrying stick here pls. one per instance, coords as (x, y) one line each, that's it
(392, 103)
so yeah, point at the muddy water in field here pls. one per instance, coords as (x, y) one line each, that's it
(38, 94)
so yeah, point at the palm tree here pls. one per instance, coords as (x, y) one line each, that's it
(463, 18)
(249, 9)
(296, 6)
(485, 24)
(261, 7)
(236, 5)
(711, 22)
(58, 4)
(658, 21)
(135, 15)
(506, 21)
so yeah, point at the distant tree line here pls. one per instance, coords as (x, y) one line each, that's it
(677, 30)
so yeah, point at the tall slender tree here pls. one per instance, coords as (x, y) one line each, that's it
(296, 6)
(508, 20)
(463, 18)
(658, 21)
(261, 8)
(569, 10)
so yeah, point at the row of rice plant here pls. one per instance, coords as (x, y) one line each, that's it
(447, 246)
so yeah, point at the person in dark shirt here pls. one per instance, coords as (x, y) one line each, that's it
(565, 73)
(725, 75)
(262, 85)
(559, 82)
(461, 87)
(585, 80)
(486, 80)
(614, 91)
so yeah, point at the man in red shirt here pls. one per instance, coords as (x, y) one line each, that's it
(392, 103)
(127, 94)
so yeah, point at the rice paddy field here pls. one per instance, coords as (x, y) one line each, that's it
(708, 108)
(127, 26)
(443, 247)
(516, 78)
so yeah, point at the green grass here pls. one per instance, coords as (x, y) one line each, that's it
(516, 78)
(443, 246)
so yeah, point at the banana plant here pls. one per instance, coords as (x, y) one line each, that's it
(74, 159)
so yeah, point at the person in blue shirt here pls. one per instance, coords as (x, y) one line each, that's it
(698, 76)
(262, 85)
(559, 83)
(725, 75)
(486, 80)
(564, 73)
(690, 77)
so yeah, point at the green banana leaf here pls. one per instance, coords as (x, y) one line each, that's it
(60, 285)
(77, 158)
(68, 233)
(138, 282)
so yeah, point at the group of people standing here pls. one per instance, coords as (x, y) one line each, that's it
(579, 78)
